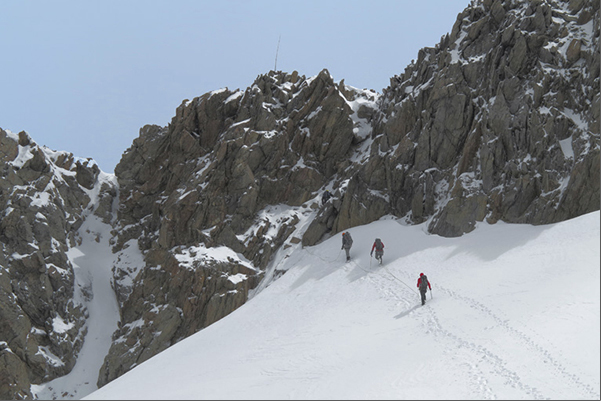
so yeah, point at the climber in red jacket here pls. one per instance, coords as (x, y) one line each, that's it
(423, 283)
(379, 247)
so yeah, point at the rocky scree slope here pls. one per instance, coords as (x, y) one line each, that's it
(44, 198)
(499, 121)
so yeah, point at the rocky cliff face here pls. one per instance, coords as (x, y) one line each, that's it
(44, 197)
(499, 121)
(218, 177)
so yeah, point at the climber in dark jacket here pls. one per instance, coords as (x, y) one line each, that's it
(325, 197)
(347, 242)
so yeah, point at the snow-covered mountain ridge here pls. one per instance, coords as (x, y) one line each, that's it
(499, 122)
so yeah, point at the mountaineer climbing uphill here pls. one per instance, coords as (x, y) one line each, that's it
(347, 242)
(423, 284)
(378, 246)
(325, 197)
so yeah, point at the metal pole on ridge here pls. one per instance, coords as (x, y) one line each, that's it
(275, 68)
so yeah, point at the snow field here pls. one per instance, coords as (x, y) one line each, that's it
(513, 314)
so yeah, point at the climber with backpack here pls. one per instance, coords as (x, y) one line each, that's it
(325, 197)
(423, 284)
(347, 242)
(379, 247)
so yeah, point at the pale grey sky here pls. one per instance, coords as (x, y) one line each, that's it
(85, 75)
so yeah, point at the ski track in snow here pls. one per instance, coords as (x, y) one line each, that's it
(402, 296)
(543, 354)
(496, 364)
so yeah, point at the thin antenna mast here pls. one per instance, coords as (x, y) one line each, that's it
(275, 68)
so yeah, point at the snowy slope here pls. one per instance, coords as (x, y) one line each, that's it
(514, 314)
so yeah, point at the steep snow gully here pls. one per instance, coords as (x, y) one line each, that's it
(92, 262)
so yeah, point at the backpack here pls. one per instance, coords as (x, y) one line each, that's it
(423, 285)
(347, 240)
(379, 246)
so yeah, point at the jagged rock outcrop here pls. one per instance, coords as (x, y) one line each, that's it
(500, 121)
(205, 180)
(43, 198)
